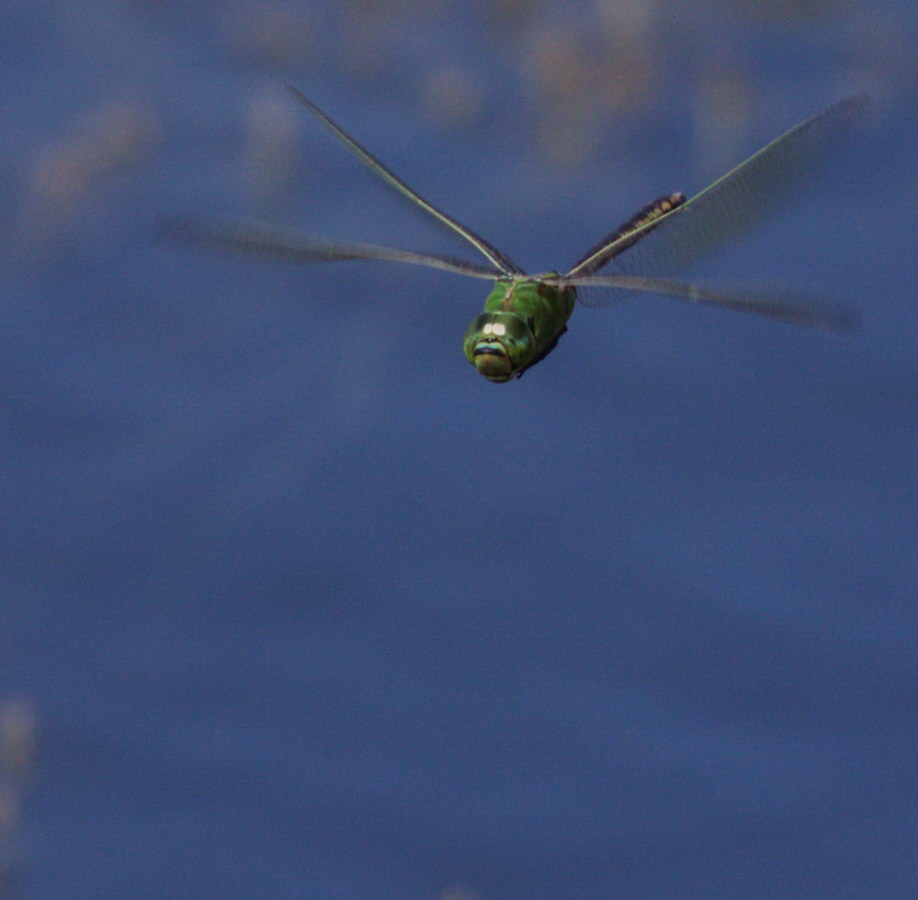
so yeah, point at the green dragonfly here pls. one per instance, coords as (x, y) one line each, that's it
(525, 315)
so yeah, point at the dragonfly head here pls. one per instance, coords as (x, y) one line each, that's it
(500, 345)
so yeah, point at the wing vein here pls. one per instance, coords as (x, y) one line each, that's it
(727, 208)
(497, 258)
(265, 239)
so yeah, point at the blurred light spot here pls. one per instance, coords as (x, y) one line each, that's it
(558, 66)
(723, 112)
(632, 52)
(17, 758)
(369, 36)
(459, 892)
(785, 10)
(17, 737)
(453, 98)
(272, 36)
(511, 13)
(107, 139)
(629, 21)
(271, 150)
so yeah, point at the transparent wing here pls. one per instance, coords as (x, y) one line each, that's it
(492, 253)
(670, 244)
(796, 309)
(265, 239)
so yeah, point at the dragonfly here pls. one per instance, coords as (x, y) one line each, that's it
(525, 315)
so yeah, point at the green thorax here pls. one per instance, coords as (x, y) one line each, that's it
(521, 323)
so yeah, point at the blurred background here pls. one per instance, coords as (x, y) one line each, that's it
(295, 604)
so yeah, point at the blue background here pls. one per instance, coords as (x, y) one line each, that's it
(304, 607)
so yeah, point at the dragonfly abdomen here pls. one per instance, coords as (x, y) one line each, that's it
(638, 225)
(648, 214)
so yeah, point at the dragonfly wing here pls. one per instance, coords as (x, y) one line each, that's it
(495, 257)
(670, 244)
(796, 309)
(265, 239)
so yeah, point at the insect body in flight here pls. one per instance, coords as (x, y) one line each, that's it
(525, 315)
